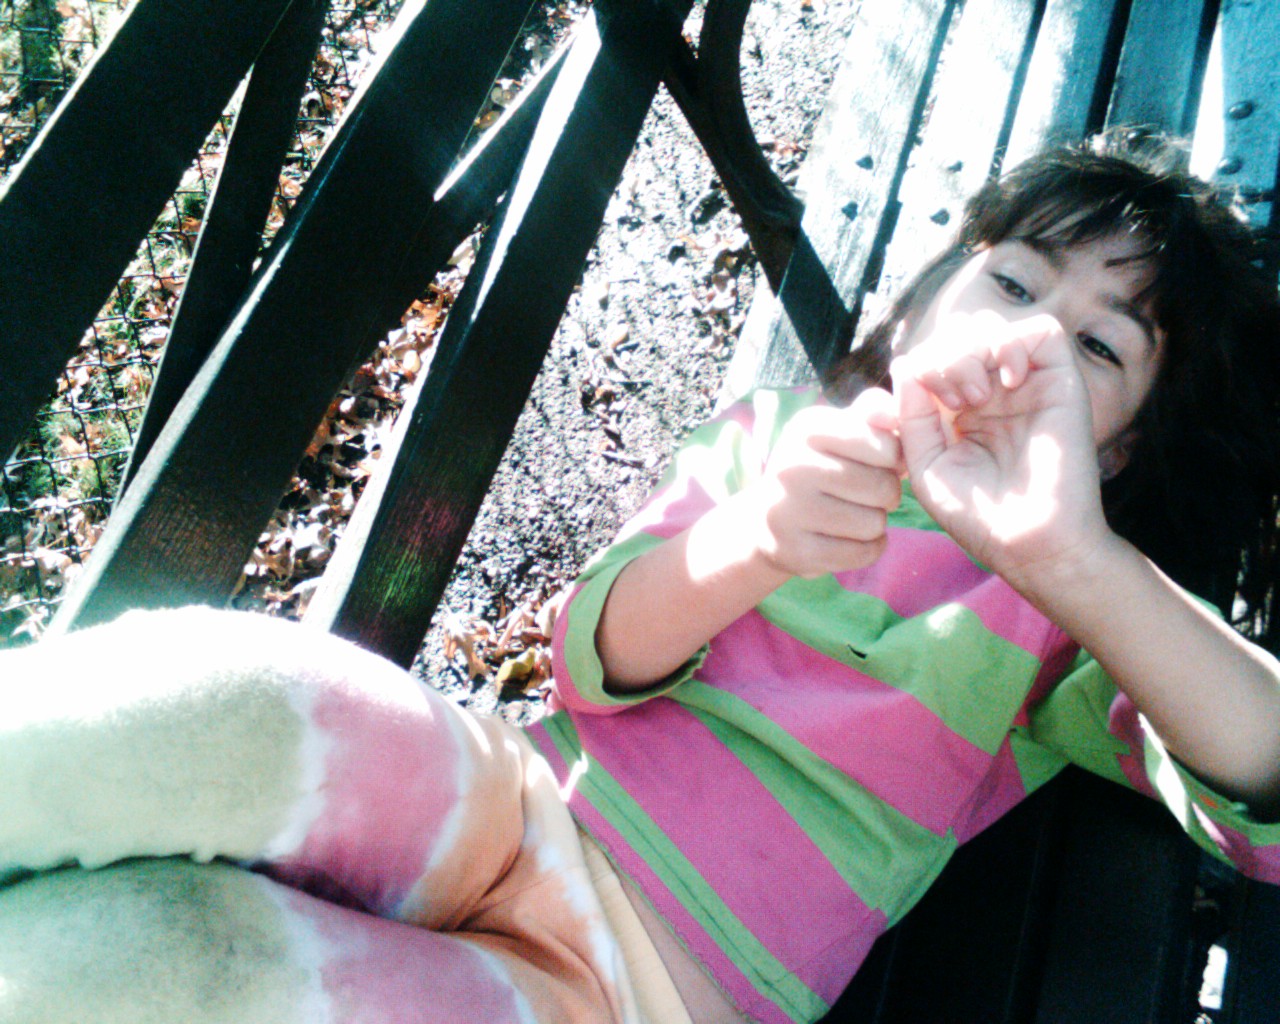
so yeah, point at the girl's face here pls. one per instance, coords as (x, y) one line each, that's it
(1092, 291)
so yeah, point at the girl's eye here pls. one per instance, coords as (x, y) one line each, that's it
(1012, 288)
(1098, 348)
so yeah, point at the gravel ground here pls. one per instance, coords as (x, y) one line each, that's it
(641, 352)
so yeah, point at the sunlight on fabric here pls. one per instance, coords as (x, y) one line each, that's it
(1167, 780)
(571, 783)
(477, 734)
(1208, 144)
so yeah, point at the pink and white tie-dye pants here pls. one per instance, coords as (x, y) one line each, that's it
(412, 862)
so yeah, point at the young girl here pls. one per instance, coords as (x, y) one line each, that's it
(842, 641)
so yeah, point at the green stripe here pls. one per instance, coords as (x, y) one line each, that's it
(714, 459)
(825, 803)
(1036, 764)
(774, 409)
(1072, 720)
(1171, 786)
(761, 968)
(946, 658)
(910, 514)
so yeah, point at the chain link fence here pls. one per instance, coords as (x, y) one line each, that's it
(57, 488)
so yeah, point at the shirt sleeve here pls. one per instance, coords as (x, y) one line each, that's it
(717, 461)
(1087, 721)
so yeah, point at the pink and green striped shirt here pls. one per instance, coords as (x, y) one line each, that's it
(793, 790)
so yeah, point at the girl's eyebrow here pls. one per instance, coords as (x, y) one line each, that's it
(1050, 252)
(1127, 308)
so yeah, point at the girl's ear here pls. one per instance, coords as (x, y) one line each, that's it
(1115, 456)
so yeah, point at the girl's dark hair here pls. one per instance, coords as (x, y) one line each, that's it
(1199, 493)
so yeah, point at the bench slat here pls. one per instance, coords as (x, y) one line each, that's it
(232, 230)
(1252, 991)
(1121, 946)
(1064, 96)
(1249, 35)
(1161, 64)
(974, 99)
(184, 530)
(399, 549)
(850, 184)
(53, 220)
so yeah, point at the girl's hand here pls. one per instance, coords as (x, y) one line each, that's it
(829, 484)
(820, 506)
(998, 441)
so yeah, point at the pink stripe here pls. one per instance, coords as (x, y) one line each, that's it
(923, 569)
(902, 751)
(671, 511)
(1258, 862)
(849, 934)
(390, 781)
(685, 925)
(385, 972)
(701, 794)
(919, 570)
(1123, 723)
(565, 692)
(996, 795)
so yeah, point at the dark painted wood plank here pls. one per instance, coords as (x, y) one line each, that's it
(1068, 81)
(468, 196)
(1250, 40)
(185, 528)
(1161, 64)
(1121, 943)
(121, 132)
(850, 183)
(974, 96)
(399, 549)
(1251, 994)
(232, 231)
(708, 90)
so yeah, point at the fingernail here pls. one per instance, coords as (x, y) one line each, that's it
(974, 394)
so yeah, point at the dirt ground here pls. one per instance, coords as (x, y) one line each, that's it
(641, 352)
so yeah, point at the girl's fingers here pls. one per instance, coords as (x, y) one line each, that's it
(845, 520)
(822, 554)
(863, 433)
(920, 425)
(1013, 362)
(879, 410)
(962, 362)
(858, 484)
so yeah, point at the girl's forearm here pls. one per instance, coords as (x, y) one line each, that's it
(674, 598)
(1213, 697)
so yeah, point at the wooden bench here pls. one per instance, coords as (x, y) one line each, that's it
(1041, 919)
